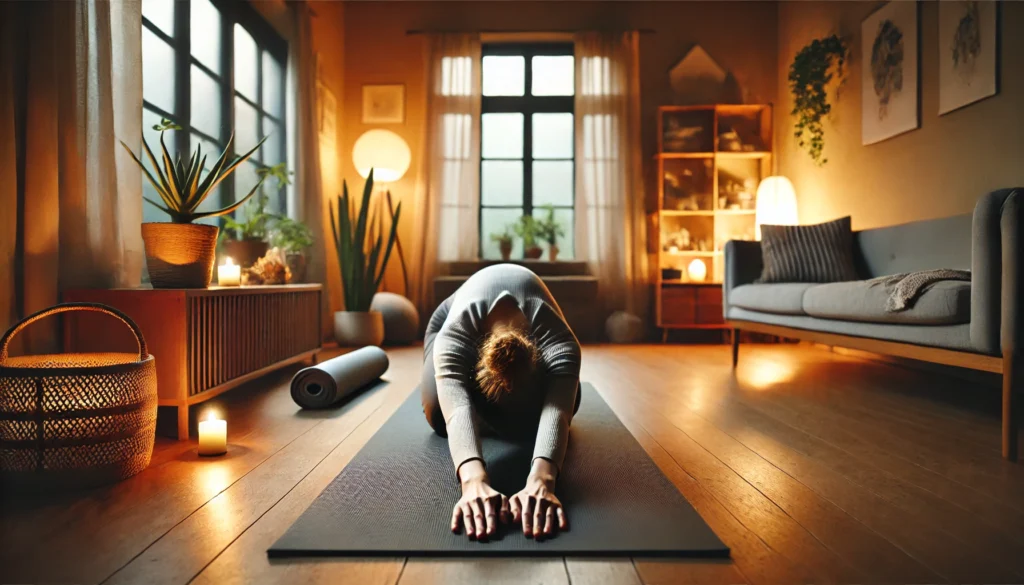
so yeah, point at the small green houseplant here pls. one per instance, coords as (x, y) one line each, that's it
(527, 229)
(504, 239)
(295, 239)
(363, 254)
(245, 237)
(813, 69)
(549, 230)
(181, 254)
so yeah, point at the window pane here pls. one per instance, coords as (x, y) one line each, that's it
(552, 182)
(504, 75)
(245, 179)
(565, 218)
(553, 75)
(272, 151)
(205, 100)
(502, 135)
(246, 63)
(157, 71)
(552, 136)
(494, 221)
(160, 13)
(149, 119)
(501, 182)
(211, 151)
(205, 37)
(273, 87)
(246, 129)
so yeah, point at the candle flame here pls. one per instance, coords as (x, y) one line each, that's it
(211, 415)
(228, 261)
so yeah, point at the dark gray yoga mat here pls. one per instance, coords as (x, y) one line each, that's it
(396, 496)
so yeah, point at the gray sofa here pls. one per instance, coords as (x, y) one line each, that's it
(976, 324)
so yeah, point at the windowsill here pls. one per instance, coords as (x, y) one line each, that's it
(542, 267)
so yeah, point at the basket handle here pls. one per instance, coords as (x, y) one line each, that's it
(68, 307)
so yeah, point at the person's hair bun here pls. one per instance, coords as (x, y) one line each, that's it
(506, 357)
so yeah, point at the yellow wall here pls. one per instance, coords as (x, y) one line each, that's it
(938, 170)
(741, 36)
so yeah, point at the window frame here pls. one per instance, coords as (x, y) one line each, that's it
(527, 105)
(267, 40)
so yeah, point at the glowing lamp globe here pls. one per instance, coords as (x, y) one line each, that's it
(776, 203)
(697, 270)
(383, 151)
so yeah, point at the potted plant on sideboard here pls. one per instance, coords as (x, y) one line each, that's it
(505, 240)
(526, 228)
(363, 256)
(549, 230)
(180, 253)
(245, 238)
(294, 239)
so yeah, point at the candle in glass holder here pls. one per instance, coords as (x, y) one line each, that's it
(213, 436)
(229, 273)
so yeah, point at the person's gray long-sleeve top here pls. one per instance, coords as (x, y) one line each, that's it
(547, 405)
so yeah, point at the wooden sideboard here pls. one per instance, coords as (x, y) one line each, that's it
(205, 341)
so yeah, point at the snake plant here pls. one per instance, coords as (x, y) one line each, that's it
(179, 185)
(359, 240)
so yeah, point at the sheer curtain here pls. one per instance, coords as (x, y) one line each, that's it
(610, 218)
(71, 74)
(448, 199)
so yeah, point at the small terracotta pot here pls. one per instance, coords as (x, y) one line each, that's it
(506, 250)
(358, 328)
(553, 253)
(245, 253)
(180, 255)
(533, 253)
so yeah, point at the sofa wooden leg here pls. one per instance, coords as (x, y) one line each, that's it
(735, 347)
(1013, 379)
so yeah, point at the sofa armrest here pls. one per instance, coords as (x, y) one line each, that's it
(997, 272)
(743, 265)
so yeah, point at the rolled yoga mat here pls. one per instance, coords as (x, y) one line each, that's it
(395, 497)
(327, 383)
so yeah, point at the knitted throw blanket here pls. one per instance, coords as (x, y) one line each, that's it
(905, 288)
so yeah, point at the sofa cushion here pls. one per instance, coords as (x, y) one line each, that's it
(808, 253)
(944, 303)
(785, 298)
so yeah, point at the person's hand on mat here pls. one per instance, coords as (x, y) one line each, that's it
(481, 507)
(536, 507)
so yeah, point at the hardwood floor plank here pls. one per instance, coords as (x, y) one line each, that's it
(706, 572)
(602, 571)
(475, 570)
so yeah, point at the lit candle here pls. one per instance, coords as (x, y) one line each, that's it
(213, 436)
(229, 273)
(697, 270)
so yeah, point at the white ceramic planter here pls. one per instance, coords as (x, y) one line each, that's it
(358, 329)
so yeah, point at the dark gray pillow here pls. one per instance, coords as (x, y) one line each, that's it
(808, 253)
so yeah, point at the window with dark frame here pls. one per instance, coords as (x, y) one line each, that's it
(527, 140)
(212, 66)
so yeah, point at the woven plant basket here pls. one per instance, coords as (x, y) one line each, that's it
(180, 255)
(75, 420)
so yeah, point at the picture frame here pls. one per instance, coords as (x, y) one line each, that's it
(969, 50)
(384, 104)
(890, 72)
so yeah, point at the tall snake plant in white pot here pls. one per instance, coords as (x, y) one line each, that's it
(363, 254)
(180, 253)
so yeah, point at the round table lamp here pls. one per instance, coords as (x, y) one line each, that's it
(383, 151)
(776, 203)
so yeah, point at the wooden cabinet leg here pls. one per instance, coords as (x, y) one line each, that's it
(735, 347)
(1013, 379)
(183, 423)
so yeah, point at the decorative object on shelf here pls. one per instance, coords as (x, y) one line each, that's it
(528, 230)
(181, 254)
(549, 230)
(384, 104)
(698, 79)
(229, 273)
(363, 254)
(889, 72)
(968, 45)
(76, 420)
(729, 142)
(213, 436)
(810, 76)
(505, 239)
(697, 270)
(388, 156)
(776, 203)
(671, 274)
(401, 319)
(272, 268)
(623, 327)
(295, 239)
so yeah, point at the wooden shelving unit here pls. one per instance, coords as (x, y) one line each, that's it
(710, 162)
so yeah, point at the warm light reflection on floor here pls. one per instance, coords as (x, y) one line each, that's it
(763, 374)
(213, 477)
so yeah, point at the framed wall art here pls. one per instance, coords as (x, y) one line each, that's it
(889, 72)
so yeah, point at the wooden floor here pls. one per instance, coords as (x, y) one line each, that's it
(812, 466)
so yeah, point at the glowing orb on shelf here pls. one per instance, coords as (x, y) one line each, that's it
(697, 270)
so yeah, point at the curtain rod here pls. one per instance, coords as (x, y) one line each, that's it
(643, 31)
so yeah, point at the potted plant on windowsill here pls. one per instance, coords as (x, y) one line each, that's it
(550, 230)
(180, 253)
(245, 238)
(526, 228)
(363, 255)
(505, 240)
(294, 238)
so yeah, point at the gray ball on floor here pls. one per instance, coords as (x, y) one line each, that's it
(623, 327)
(401, 320)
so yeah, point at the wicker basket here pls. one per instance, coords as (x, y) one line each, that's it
(180, 255)
(75, 420)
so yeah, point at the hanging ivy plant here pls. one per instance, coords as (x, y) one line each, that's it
(809, 76)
